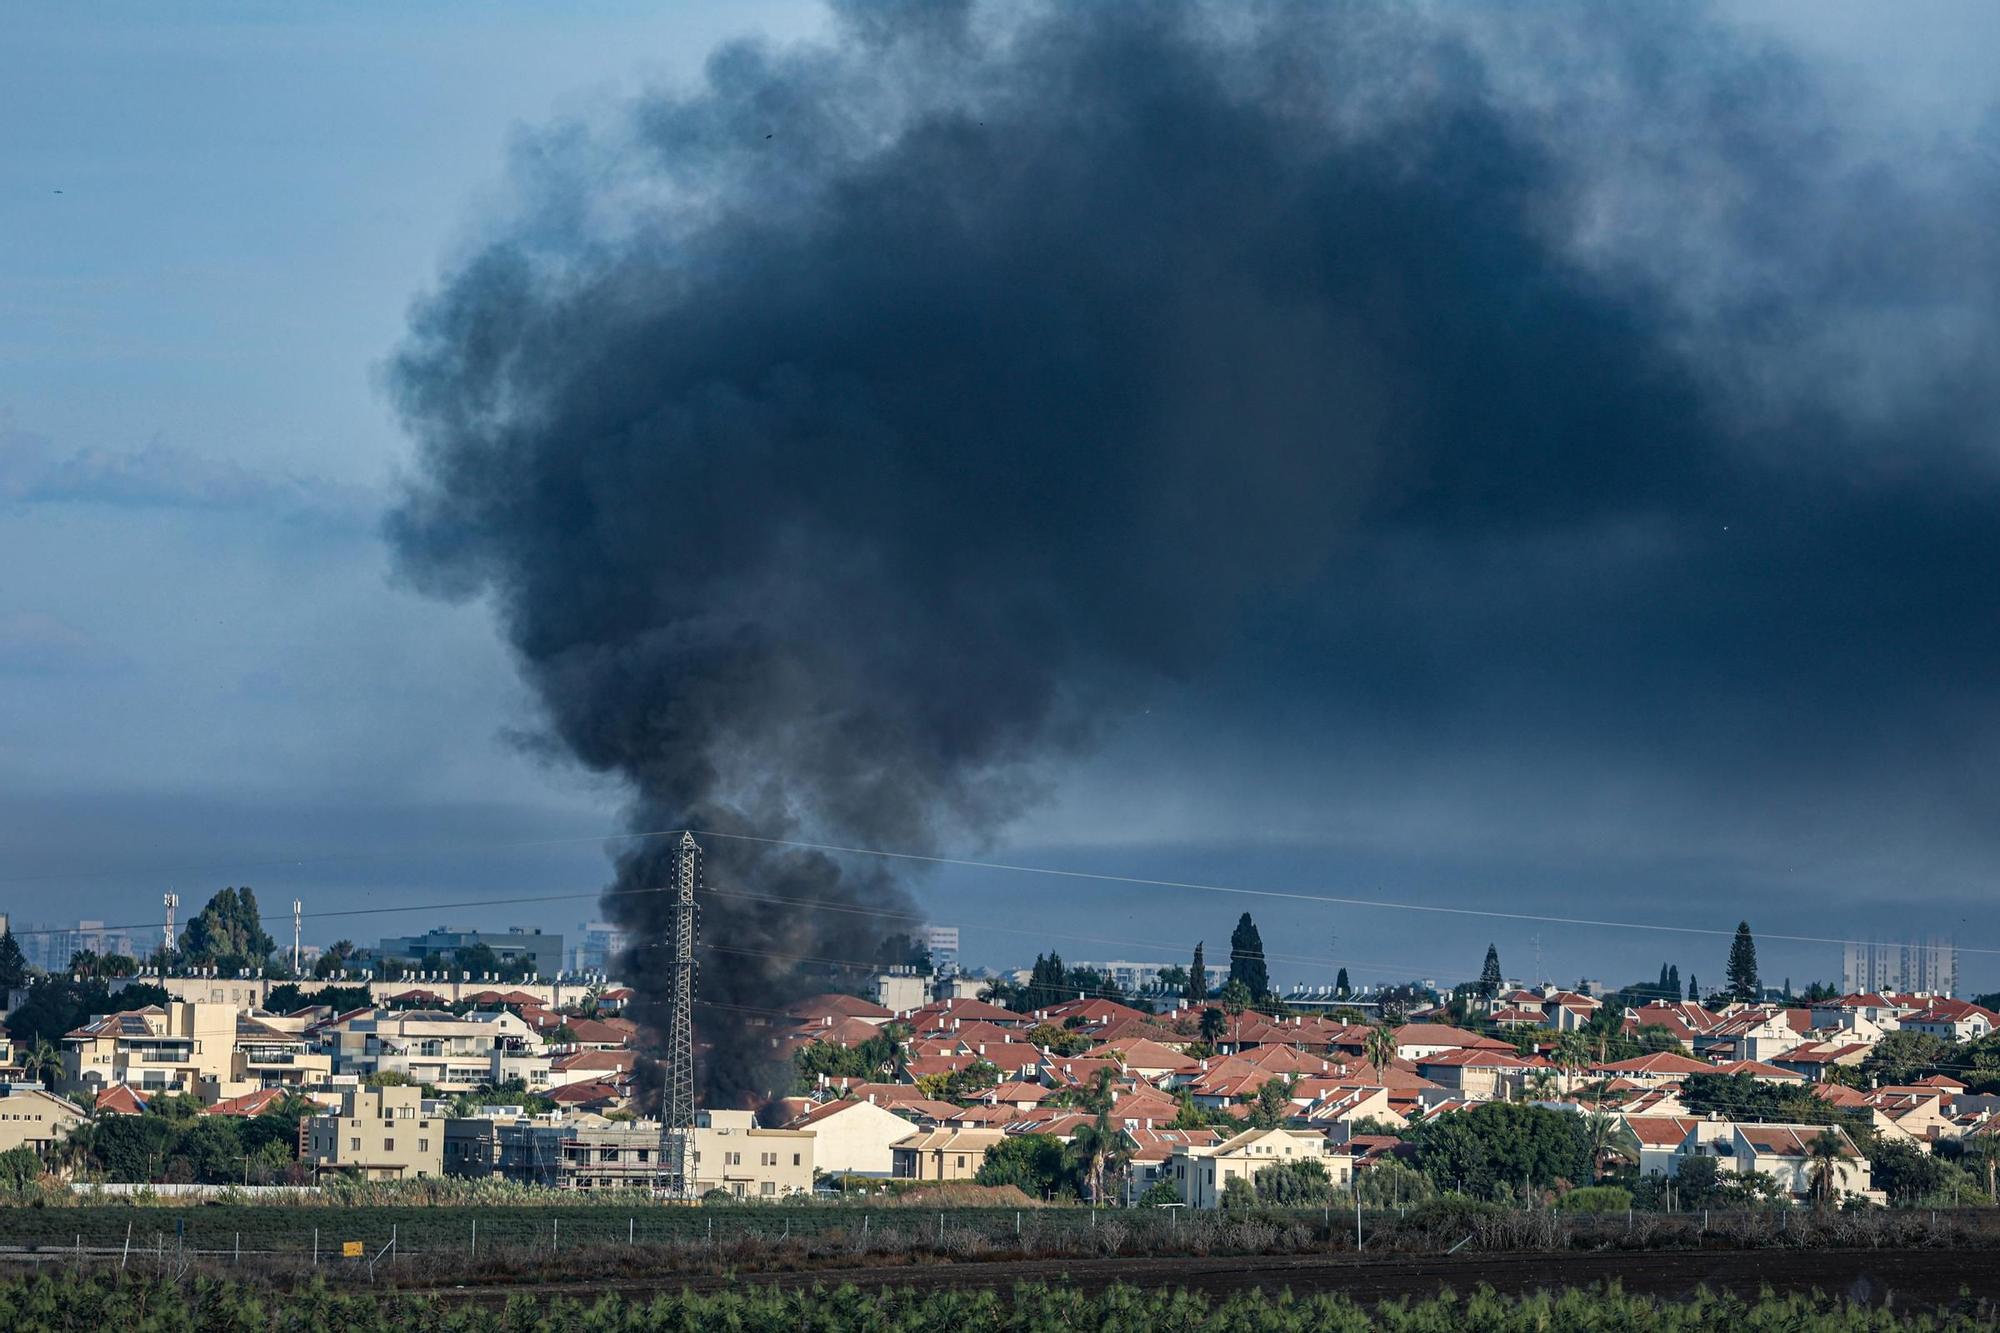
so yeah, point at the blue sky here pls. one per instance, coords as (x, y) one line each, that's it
(214, 219)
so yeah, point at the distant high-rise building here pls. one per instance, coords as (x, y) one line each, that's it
(50, 947)
(1871, 966)
(942, 941)
(598, 947)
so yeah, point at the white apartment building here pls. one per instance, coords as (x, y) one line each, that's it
(451, 1053)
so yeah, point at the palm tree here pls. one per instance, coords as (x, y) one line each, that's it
(1381, 1048)
(44, 1064)
(1824, 1153)
(1571, 1054)
(1608, 1138)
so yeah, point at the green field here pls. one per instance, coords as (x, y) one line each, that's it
(68, 1302)
(263, 1228)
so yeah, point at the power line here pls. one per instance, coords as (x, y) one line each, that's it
(1329, 899)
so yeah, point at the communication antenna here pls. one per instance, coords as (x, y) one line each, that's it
(173, 901)
(677, 1085)
(298, 920)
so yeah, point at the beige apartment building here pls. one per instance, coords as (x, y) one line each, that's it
(152, 1050)
(1202, 1172)
(733, 1152)
(943, 1154)
(33, 1119)
(378, 1134)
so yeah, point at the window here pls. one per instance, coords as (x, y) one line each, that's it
(388, 1145)
(354, 1144)
(768, 1187)
(961, 1161)
(423, 1145)
(795, 1159)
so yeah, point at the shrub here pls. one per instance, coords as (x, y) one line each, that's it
(1596, 1199)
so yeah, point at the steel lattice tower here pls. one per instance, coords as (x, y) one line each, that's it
(677, 1087)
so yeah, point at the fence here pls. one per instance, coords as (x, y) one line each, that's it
(431, 1241)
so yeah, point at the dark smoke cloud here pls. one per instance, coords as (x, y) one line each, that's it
(840, 442)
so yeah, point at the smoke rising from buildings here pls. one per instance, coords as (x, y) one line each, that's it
(840, 443)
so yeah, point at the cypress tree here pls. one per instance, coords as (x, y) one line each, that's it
(1694, 993)
(13, 965)
(1197, 982)
(1489, 975)
(1340, 986)
(1674, 982)
(1743, 982)
(1246, 959)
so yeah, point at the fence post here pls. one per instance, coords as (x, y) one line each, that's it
(631, 1230)
(315, 1247)
(473, 1253)
(238, 1259)
(126, 1257)
(1017, 1224)
(555, 1233)
(394, 1253)
(1357, 1215)
(940, 1228)
(79, 1249)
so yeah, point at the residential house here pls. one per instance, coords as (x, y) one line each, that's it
(1951, 1020)
(855, 1136)
(943, 1154)
(1482, 1075)
(1150, 1156)
(732, 1152)
(1783, 1152)
(1202, 1172)
(377, 1134)
(34, 1118)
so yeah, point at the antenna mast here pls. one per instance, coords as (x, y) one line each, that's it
(173, 901)
(677, 1085)
(298, 919)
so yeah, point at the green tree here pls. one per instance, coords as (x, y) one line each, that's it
(1497, 1146)
(1246, 959)
(1380, 1048)
(19, 1168)
(1062, 1041)
(1340, 986)
(1160, 1193)
(1272, 1105)
(1673, 981)
(1197, 977)
(1293, 1184)
(1823, 1155)
(44, 1063)
(1239, 1195)
(13, 965)
(1213, 1025)
(1982, 1153)
(1035, 1164)
(1391, 1183)
(227, 933)
(333, 962)
(1490, 979)
(1904, 1057)
(1743, 982)
(904, 950)
(1694, 990)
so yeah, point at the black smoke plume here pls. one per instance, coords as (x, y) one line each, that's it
(841, 441)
